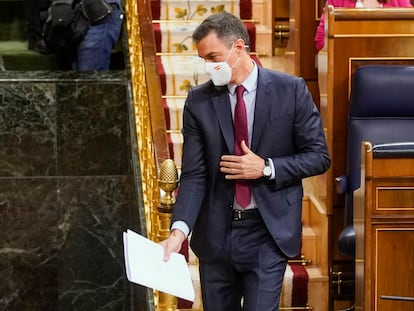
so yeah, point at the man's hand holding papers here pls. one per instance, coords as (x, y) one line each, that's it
(145, 265)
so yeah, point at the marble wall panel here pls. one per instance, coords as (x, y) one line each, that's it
(27, 129)
(67, 192)
(92, 129)
(28, 244)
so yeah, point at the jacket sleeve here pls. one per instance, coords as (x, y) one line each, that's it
(310, 156)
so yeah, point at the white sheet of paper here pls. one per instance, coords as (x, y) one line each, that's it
(144, 265)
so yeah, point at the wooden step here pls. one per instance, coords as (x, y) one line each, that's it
(315, 217)
(308, 244)
(318, 289)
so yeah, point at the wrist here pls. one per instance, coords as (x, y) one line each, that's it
(177, 233)
(267, 170)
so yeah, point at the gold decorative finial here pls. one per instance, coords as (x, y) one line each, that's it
(168, 181)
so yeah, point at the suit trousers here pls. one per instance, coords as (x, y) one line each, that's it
(248, 274)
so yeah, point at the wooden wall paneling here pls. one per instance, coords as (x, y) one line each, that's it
(292, 53)
(300, 51)
(281, 25)
(263, 14)
(393, 246)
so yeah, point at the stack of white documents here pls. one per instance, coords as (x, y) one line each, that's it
(144, 265)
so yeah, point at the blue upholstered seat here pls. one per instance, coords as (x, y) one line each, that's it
(381, 110)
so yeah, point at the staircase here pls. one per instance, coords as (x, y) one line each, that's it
(178, 64)
(306, 282)
(315, 250)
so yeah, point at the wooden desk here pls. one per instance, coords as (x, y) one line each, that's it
(384, 227)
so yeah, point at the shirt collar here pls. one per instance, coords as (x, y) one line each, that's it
(250, 84)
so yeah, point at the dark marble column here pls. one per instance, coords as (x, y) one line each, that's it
(67, 192)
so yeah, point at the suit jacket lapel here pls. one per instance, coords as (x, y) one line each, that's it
(221, 104)
(263, 98)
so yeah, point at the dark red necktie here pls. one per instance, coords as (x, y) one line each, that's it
(241, 133)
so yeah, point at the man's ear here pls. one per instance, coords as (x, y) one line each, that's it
(239, 45)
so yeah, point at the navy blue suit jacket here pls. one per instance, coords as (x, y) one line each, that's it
(287, 129)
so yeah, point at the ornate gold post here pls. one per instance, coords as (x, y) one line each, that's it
(168, 182)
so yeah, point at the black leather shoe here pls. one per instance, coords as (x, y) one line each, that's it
(38, 46)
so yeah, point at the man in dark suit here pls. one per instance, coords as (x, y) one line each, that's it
(243, 244)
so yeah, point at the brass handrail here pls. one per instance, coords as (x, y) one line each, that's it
(143, 129)
(303, 261)
(149, 126)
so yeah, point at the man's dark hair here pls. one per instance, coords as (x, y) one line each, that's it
(228, 28)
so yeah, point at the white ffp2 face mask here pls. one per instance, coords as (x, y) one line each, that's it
(220, 72)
